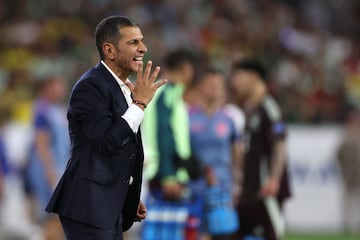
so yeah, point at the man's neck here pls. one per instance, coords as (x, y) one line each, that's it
(118, 71)
(209, 106)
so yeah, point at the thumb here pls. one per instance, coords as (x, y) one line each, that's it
(130, 85)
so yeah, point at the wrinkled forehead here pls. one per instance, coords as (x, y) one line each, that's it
(130, 32)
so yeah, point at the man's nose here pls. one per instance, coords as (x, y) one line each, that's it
(142, 48)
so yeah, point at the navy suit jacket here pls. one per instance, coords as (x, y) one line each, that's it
(105, 154)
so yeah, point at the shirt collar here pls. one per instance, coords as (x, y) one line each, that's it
(118, 80)
(124, 88)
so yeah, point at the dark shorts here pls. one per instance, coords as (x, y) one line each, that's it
(255, 220)
(75, 230)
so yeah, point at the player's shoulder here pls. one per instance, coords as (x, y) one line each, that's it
(236, 115)
(271, 108)
(87, 78)
(232, 111)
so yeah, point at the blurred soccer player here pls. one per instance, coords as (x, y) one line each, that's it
(214, 139)
(50, 151)
(265, 183)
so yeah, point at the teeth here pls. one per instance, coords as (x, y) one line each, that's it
(138, 59)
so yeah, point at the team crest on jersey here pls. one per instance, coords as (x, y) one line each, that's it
(221, 129)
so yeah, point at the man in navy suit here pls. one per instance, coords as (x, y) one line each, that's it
(98, 196)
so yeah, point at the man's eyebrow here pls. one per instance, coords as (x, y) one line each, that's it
(136, 40)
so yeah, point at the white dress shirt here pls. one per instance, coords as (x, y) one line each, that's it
(134, 114)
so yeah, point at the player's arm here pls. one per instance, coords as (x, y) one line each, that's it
(237, 166)
(238, 153)
(278, 159)
(272, 185)
(43, 148)
(277, 135)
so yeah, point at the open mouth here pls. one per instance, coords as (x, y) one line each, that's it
(138, 59)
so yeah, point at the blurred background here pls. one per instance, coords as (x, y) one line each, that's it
(311, 47)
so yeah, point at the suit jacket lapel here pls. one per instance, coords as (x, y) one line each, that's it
(113, 85)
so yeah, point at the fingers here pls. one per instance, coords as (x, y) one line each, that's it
(146, 83)
(155, 74)
(146, 74)
(142, 207)
(147, 70)
(267, 191)
(139, 72)
(160, 83)
(141, 212)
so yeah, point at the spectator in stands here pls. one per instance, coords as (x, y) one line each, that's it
(18, 96)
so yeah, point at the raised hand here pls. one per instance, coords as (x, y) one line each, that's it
(145, 87)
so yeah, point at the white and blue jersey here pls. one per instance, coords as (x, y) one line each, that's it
(211, 141)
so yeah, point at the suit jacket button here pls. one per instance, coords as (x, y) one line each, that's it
(131, 180)
(132, 156)
(125, 141)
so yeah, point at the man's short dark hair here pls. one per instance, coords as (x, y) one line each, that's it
(209, 70)
(250, 65)
(177, 57)
(108, 28)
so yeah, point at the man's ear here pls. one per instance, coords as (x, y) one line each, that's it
(109, 50)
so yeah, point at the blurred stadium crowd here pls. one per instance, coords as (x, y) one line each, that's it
(311, 47)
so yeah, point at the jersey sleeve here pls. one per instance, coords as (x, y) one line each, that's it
(276, 123)
(40, 120)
